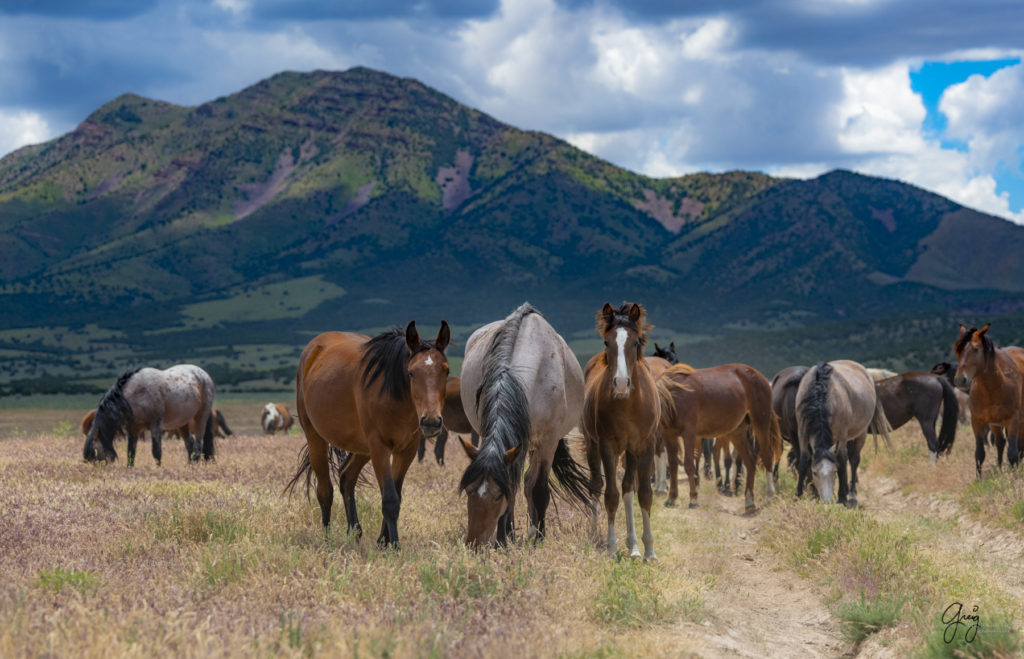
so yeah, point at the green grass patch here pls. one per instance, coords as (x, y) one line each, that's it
(631, 594)
(954, 634)
(84, 581)
(868, 616)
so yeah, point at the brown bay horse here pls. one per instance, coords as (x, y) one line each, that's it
(994, 380)
(837, 407)
(715, 402)
(919, 395)
(455, 420)
(370, 398)
(621, 412)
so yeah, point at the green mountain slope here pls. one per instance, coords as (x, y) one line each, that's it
(358, 200)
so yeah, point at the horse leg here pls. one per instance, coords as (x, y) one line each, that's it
(844, 487)
(611, 495)
(803, 467)
(596, 483)
(979, 445)
(645, 462)
(321, 467)
(439, 444)
(744, 459)
(422, 449)
(156, 437)
(660, 467)
(390, 503)
(855, 450)
(1012, 451)
(208, 439)
(629, 479)
(672, 451)
(132, 440)
(737, 461)
(999, 440)
(349, 478)
(689, 464)
(929, 435)
(538, 491)
(707, 445)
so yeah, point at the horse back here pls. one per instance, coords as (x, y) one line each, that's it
(853, 400)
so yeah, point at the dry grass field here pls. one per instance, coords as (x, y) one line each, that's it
(211, 560)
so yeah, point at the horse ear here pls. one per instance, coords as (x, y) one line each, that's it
(656, 348)
(512, 454)
(412, 337)
(444, 335)
(470, 450)
(607, 310)
(672, 346)
(984, 329)
(635, 312)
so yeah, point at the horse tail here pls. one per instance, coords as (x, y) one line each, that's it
(208, 448)
(573, 478)
(880, 424)
(666, 403)
(814, 411)
(305, 469)
(223, 423)
(775, 441)
(950, 414)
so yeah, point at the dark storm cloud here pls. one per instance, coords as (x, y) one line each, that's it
(311, 10)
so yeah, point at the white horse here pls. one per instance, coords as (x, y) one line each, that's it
(522, 390)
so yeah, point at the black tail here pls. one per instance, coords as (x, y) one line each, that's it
(337, 459)
(573, 483)
(950, 414)
(208, 448)
(223, 424)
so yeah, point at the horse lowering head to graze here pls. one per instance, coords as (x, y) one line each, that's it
(371, 398)
(150, 399)
(522, 389)
(784, 387)
(994, 378)
(715, 402)
(275, 417)
(919, 395)
(621, 411)
(836, 408)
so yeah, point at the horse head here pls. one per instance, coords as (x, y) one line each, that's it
(625, 333)
(427, 368)
(488, 489)
(668, 354)
(974, 349)
(824, 472)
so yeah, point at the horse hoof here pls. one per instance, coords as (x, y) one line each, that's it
(635, 554)
(852, 503)
(670, 503)
(750, 510)
(652, 558)
(693, 504)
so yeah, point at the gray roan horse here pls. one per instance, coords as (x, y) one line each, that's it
(522, 390)
(836, 408)
(150, 399)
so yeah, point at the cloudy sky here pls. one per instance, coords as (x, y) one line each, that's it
(926, 91)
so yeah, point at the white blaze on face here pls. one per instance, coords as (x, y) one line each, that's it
(482, 490)
(429, 362)
(620, 363)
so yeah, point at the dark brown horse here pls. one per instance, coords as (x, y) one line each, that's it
(455, 420)
(621, 410)
(994, 379)
(919, 395)
(784, 386)
(368, 397)
(713, 402)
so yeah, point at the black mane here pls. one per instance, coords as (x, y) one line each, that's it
(113, 417)
(815, 411)
(385, 357)
(504, 411)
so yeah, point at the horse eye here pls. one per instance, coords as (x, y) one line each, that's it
(410, 375)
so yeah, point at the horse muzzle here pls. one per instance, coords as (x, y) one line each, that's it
(621, 387)
(430, 427)
(962, 382)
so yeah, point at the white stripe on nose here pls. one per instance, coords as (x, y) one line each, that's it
(620, 363)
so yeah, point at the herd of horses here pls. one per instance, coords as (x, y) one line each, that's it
(377, 400)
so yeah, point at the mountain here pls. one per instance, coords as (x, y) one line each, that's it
(228, 233)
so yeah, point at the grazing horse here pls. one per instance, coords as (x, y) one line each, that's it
(220, 426)
(150, 399)
(836, 408)
(369, 398)
(621, 411)
(948, 371)
(784, 387)
(455, 420)
(276, 416)
(919, 395)
(522, 390)
(714, 402)
(994, 378)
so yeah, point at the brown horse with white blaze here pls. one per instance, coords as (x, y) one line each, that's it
(621, 410)
(994, 378)
(368, 397)
(714, 402)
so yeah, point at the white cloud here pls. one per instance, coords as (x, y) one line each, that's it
(879, 113)
(18, 128)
